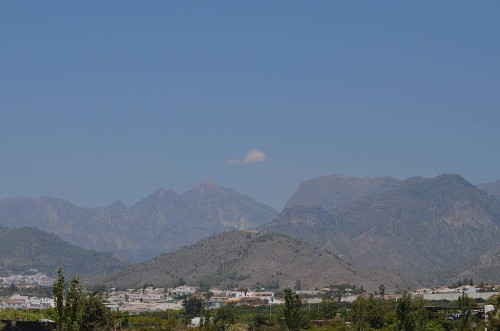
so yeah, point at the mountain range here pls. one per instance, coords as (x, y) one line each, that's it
(417, 231)
(163, 221)
(429, 227)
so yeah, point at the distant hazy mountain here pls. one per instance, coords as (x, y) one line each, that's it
(226, 207)
(311, 224)
(338, 190)
(25, 248)
(492, 189)
(161, 222)
(244, 258)
(429, 227)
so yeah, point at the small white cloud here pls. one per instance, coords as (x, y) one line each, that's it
(253, 156)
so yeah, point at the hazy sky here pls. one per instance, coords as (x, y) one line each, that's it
(110, 100)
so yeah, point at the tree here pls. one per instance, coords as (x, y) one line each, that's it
(367, 313)
(223, 319)
(465, 309)
(259, 321)
(78, 310)
(328, 308)
(293, 311)
(494, 316)
(206, 322)
(204, 287)
(381, 289)
(420, 314)
(73, 306)
(94, 314)
(358, 311)
(58, 291)
(374, 314)
(338, 295)
(298, 285)
(404, 321)
(192, 306)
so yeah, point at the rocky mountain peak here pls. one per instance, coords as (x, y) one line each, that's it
(453, 179)
(335, 190)
(117, 205)
(442, 186)
(492, 188)
(206, 187)
(161, 195)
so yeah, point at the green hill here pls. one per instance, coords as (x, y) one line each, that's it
(25, 248)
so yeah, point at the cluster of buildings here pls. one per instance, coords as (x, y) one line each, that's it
(452, 294)
(147, 299)
(37, 279)
(166, 299)
(17, 301)
(241, 298)
(153, 299)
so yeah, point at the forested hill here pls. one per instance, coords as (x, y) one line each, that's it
(25, 248)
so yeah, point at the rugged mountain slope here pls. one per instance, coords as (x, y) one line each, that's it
(492, 188)
(337, 190)
(429, 227)
(25, 248)
(161, 222)
(485, 268)
(226, 207)
(244, 258)
(310, 224)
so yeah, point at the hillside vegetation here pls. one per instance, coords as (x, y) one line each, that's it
(25, 248)
(244, 258)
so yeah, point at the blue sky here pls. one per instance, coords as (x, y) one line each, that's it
(110, 100)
